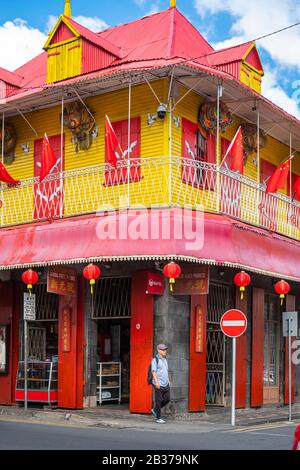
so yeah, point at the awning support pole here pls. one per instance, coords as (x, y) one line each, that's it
(26, 120)
(61, 157)
(129, 138)
(83, 103)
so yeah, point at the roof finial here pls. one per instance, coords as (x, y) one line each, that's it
(68, 11)
(173, 3)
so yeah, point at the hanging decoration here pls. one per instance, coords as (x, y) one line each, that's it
(10, 140)
(92, 273)
(172, 271)
(208, 113)
(30, 278)
(282, 288)
(81, 124)
(242, 280)
(250, 139)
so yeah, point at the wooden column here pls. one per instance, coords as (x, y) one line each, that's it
(241, 356)
(141, 344)
(257, 376)
(197, 370)
(290, 307)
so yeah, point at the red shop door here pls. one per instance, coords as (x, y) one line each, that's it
(49, 195)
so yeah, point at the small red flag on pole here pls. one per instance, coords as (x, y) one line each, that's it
(236, 151)
(5, 176)
(279, 178)
(111, 143)
(48, 159)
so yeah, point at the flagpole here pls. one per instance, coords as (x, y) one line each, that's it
(61, 156)
(129, 138)
(291, 166)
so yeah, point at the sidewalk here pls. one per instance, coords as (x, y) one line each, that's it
(118, 417)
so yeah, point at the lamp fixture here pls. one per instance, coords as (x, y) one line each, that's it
(25, 148)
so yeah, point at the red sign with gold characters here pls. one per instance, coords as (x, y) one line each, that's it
(194, 280)
(199, 329)
(155, 284)
(66, 333)
(62, 281)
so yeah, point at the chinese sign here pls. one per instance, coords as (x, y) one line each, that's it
(66, 334)
(199, 330)
(155, 284)
(194, 280)
(62, 281)
(29, 307)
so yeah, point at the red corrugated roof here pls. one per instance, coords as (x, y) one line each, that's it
(229, 54)
(95, 38)
(10, 77)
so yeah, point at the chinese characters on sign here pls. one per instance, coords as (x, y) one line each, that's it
(29, 307)
(199, 330)
(194, 280)
(62, 281)
(66, 336)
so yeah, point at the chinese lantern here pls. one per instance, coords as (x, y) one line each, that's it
(242, 280)
(30, 278)
(282, 288)
(92, 273)
(172, 271)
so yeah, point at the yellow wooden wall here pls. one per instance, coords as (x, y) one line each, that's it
(88, 193)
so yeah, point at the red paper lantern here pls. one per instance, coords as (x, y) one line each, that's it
(172, 271)
(92, 273)
(282, 288)
(242, 280)
(30, 278)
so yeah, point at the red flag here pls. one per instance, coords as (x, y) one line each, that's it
(111, 143)
(237, 153)
(297, 188)
(48, 159)
(279, 178)
(6, 178)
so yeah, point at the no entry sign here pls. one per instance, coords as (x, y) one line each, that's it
(234, 323)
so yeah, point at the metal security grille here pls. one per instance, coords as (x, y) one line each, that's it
(37, 343)
(112, 298)
(218, 303)
(46, 304)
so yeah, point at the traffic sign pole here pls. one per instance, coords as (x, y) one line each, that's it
(233, 324)
(290, 371)
(233, 381)
(25, 364)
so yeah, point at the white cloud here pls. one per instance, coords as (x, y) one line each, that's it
(22, 43)
(255, 18)
(272, 90)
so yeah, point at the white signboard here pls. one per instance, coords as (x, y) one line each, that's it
(290, 320)
(29, 307)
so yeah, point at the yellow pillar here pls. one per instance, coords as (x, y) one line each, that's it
(172, 3)
(68, 11)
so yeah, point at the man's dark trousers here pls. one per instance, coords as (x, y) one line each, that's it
(162, 398)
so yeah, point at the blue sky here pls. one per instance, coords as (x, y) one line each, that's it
(223, 23)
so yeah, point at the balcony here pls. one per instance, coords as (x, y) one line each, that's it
(160, 182)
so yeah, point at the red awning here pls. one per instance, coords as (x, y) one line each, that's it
(134, 235)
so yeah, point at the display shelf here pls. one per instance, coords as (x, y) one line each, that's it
(108, 382)
(41, 382)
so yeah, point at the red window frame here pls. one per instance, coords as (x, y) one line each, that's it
(55, 207)
(119, 175)
(203, 149)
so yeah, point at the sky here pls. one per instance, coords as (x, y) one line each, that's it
(24, 26)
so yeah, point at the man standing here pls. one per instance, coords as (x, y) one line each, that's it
(160, 381)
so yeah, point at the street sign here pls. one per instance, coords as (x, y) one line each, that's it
(234, 323)
(29, 307)
(290, 322)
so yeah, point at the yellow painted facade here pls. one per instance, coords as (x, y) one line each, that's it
(250, 77)
(64, 60)
(88, 193)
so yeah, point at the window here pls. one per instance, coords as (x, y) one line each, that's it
(197, 147)
(120, 174)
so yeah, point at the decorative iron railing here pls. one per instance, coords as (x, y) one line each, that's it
(151, 182)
